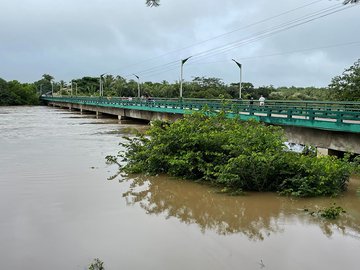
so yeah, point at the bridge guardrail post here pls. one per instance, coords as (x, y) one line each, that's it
(311, 115)
(289, 113)
(268, 111)
(339, 117)
(251, 109)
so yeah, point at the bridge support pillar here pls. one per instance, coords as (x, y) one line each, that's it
(122, 117)
(322, 152)
(98, 114)
(329, 152)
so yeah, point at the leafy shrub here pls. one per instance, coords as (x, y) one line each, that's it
(238, 155)
(332, 212)
(97, 264)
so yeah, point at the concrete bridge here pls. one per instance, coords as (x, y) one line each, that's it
(330, 126)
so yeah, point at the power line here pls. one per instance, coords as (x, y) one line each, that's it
(269, 32)
(255, 37)
(354, 43)
(225, 34)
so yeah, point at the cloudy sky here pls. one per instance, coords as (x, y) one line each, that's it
(282, 42)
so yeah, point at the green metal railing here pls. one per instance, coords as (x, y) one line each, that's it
(337, 116)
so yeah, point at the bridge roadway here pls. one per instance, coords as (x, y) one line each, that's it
(328, 125)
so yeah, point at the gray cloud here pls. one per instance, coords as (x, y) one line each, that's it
(71, 39)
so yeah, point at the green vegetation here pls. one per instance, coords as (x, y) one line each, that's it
(347, 85)
(233, 154)
(15, 93)
(332, 212)
(97, 264)
(344, 87)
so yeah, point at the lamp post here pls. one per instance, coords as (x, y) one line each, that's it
(181, 75)
(240, 67)
(101, 85)
(52, 87)
(40, 89)
(138, 78)
(75, 88)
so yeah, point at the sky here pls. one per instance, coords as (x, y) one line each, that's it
(280, 43)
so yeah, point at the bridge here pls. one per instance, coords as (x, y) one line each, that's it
(333, 126)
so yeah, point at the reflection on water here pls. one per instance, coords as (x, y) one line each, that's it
(57, 211)
(255, 215)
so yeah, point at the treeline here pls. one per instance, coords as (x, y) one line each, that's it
(14, 93)
(343, 87)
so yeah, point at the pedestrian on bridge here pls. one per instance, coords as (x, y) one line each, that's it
(261, 100)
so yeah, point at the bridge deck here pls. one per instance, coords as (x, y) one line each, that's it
(336, 116)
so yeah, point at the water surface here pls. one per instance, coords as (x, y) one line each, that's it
(59, 211)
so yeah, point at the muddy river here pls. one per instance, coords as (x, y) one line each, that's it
(59, 210)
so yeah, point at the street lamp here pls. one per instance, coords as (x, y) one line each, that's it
(240, 67)
(41, 89)
(138, 78)
(181, 75)
(101, 85)
(75, 87)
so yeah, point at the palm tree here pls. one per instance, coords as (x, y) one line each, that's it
(153, 3)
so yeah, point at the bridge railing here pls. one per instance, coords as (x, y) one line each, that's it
(320, 111)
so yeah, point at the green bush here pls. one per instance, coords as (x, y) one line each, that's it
(238, 155)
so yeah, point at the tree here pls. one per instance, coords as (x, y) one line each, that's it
(16, 93)
(153, 3)
(350, 2)
(347, 85)
(48, 77)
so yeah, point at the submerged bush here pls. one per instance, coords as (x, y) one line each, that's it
(238, 155)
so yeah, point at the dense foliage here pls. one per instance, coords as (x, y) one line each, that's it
(347, 85)
(234, 154)
(198, 87)
(344, 87)
(15, 93)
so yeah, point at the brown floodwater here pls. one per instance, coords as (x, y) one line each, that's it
(59, 211)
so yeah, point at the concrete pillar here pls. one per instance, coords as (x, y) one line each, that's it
(122, 117)
(322, 151)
